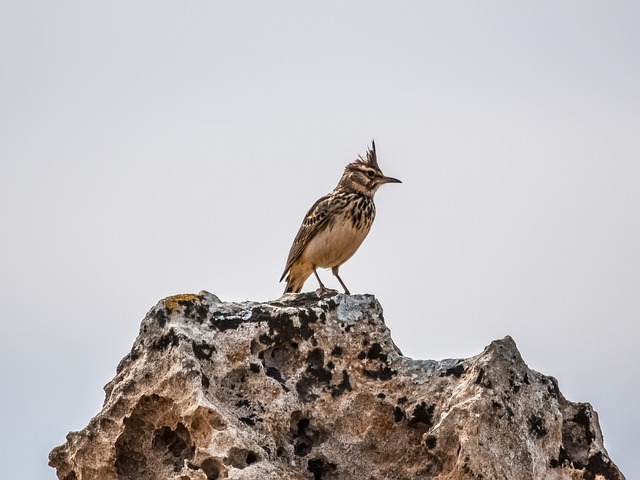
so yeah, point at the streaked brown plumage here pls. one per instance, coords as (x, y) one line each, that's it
(337, 224)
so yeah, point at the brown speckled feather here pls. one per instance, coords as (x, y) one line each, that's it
(316, 219)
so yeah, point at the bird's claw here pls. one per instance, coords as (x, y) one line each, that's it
(326, 292)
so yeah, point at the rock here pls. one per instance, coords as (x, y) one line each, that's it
(314, 388)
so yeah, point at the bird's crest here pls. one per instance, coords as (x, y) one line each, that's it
(371, 157)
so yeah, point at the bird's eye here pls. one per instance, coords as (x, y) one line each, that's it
(371, 173)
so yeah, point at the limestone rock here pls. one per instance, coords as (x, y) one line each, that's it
(314, 388)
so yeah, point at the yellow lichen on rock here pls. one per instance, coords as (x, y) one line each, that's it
(173, 302)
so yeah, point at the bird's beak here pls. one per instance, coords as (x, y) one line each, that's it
(389, 180)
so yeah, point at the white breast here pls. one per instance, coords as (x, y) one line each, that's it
(335, 245)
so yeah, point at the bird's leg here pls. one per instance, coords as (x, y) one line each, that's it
(334, 270)
(323, 290)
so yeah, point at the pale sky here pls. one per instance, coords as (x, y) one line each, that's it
(151, 148)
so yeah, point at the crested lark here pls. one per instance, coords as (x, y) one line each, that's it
(336, 225)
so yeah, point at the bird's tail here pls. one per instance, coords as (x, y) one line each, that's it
(293, 287)
(295, 282)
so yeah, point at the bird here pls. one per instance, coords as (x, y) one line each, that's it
(336, 225)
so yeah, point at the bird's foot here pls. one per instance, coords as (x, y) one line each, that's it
(326, 292)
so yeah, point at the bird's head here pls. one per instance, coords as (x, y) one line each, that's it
(364, 174)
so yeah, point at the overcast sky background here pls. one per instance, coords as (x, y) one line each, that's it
(150, 148)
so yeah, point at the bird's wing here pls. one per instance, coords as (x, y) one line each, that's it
(316, 219)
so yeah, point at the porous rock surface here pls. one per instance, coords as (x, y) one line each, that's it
(314, 388)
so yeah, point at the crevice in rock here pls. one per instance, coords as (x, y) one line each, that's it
(212, 468)
(241, 458)
(320, 468)
(304, 435)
